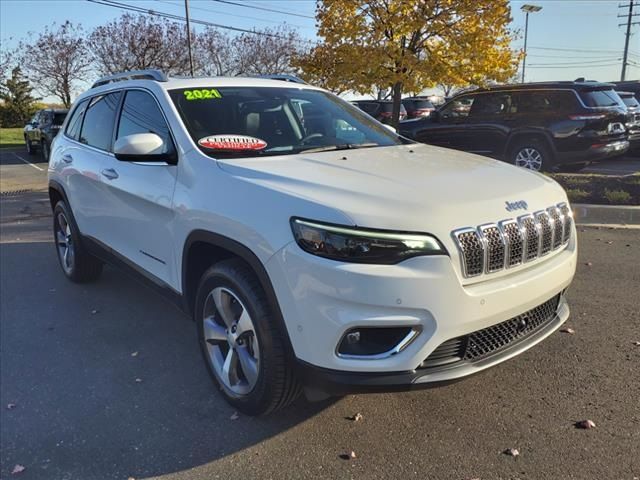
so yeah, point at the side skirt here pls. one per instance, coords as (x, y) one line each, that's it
(114, 259)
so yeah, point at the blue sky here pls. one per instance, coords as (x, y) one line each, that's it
(567, 39)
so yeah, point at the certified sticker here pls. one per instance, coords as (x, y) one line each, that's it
(232, 142)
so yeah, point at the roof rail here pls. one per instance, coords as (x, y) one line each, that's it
(151, 74)
(285, 77)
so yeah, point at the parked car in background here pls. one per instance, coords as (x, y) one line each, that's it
(632, 86)
(417, 107)
(633, 119)
(381, 110)
(41, 129)
(540, 126)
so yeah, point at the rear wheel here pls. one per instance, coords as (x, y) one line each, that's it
(532, 155)
(76, 262)
(29, 146)
(242, 345)
(44, 148)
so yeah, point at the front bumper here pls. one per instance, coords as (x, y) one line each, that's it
(322, 299)
(335, 382)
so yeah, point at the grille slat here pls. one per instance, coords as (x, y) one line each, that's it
(558, 223)
(568, 222)
(491, 340)
(495, 245)
(546, 232)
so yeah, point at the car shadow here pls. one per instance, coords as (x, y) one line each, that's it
(107, 378)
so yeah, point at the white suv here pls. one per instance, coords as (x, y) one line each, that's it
(314, 248)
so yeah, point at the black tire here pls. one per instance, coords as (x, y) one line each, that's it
(44, 149)
(536, 147)
(83, 267)
(29, 146)
(276, 385)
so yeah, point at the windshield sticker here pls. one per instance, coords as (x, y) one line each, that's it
(201, 94)
(232, 142)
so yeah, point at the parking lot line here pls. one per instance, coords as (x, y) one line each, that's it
(27, 162)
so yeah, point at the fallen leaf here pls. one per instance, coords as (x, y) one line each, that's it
(609, 243)
(637, 344)
(18, 469)
(357, 417)
(512, 452)
(11, 406)
(352, 454)
(568, 330)
(134, 354)
(589, 264)
(138, 380)
(585, 424)
(131, 478)
(234, 416)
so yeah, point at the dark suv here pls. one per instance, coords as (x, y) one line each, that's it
(418, 107)
(381, 110)
(633, 119)
(540, 126)
(39, 132)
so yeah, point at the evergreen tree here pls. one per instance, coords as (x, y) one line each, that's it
(18, 102)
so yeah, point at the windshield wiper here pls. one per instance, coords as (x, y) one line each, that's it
(343, 146)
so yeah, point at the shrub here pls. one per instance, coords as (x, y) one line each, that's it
(576, 195)
(617, 197)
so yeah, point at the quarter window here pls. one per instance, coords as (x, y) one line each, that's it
(141, 114)
(97, 127)
(75, 122)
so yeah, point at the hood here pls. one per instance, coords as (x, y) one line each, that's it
(415, 187)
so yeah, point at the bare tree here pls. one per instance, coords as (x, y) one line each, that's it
(213, 53)
(57, 60)
(138, 42)
(270, 50)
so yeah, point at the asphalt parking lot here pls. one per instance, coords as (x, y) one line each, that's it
(105, 381)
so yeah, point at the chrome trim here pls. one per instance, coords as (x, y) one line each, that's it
(554, 230)
(488, 249)
(521, 221)
(507, 253)
(537, 216)
(402, 344)
(463, 263)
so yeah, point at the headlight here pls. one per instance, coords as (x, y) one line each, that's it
(348, 244)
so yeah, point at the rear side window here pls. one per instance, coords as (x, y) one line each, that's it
(545, 101)
(75, 122)
(601, 98)
(417, 104)
(458, 107)
(141, 114)
(97, 128)
(369, 107)
(630, 101)
(491, 104)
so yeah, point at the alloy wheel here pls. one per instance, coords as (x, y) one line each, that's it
(231, 341)
(64, 242)
(530, 158)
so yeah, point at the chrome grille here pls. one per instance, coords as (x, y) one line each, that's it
(568, 222)
(546, 232)
(472, 252)
(493, 247)
(515, 242)
(558, 225)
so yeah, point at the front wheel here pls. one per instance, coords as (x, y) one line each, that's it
(532, 155)
(29, 146)
(242, 344)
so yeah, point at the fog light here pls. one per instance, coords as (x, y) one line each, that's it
(371, 342)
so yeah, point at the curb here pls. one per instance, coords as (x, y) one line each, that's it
(606, 215)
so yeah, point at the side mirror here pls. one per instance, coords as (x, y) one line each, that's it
(142, 147)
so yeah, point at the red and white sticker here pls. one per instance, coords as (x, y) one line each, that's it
(232, 142)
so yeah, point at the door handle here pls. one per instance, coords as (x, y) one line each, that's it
(110, 173)
(67, 158)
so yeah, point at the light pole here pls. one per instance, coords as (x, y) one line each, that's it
(186, 10)
(527, 9)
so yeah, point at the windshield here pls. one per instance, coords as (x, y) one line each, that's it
(252, 121)
(601, 98)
